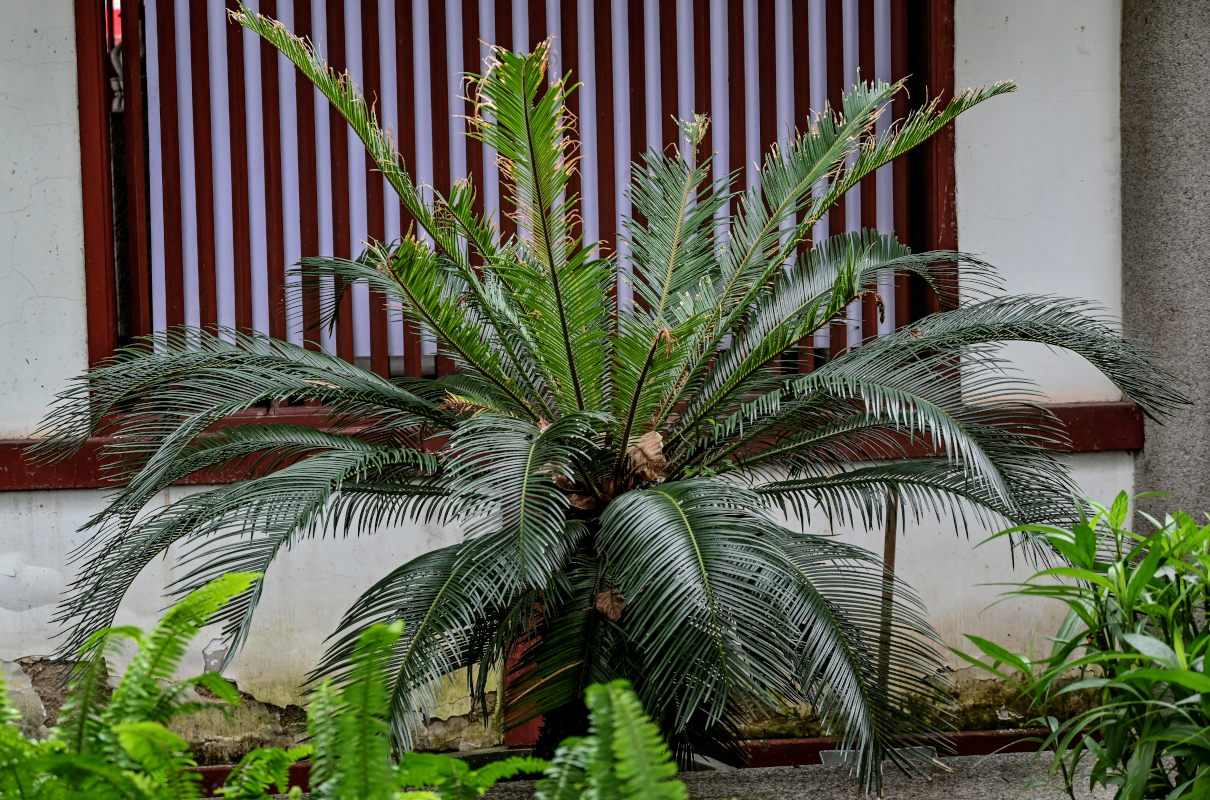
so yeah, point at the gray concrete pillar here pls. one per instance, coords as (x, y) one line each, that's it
(1166, 229)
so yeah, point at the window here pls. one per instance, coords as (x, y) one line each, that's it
(227, 167)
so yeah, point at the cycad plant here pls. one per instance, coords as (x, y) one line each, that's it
(619, 472)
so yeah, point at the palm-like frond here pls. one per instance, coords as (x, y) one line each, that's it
(870, 689)
(507, 474)
(614, 470)
(243, 526)
(704, 594)
(565, 288)
(450, 601)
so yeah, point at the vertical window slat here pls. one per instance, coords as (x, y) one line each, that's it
(252, 169)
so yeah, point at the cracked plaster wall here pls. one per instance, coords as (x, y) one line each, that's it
(1043, 206)
(41, 231)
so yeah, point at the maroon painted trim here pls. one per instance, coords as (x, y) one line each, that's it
(569, 43)
(241, 227)
(503, 11)
(371, 67)
(801, 31)
(836, 82)
(308, 182)
(736, 158)
(607, 204)
(869, 184)
(97, 208)
(637, 54)
(761, 753)
(406, 104)
(1091, 428)
(275, 224)
(338, 153)
(203, 174)
(666, 14)
(537, 27)
(439, 99)
(136, 171)
(170, 123)
(796, 752)
(702, 58)
(766, 70)
(899, 172)
(213, 777)
(472, 62)
(935, 173)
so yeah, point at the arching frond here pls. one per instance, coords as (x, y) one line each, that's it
(877, 694)
(674, 228)
(1059, 322)
(453, 603)
(564, 288)
(239, 526)
(705, 594)
(507, 476)
(156, 395)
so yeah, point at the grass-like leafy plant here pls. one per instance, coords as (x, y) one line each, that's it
(119, 746)
(1136, 635)
(618, 471)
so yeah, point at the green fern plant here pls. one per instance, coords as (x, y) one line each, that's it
(618, 471)
(622, 757)
(120, 745)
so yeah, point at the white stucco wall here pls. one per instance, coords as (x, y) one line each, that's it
(42, 334)
(1039, 171)
(1037, 194)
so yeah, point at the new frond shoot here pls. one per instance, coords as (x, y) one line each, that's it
(619, 469)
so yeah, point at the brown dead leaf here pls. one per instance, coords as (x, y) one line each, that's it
(610, 604)
(646, 456)
(584, 502)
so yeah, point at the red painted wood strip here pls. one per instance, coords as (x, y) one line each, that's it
(766, 64)
(203, 175)
(473, 64)
(174, 256)
(380, 357)
(1094, 427)
(869, 186)
(937, 155)
(737, 158)
(339, 154)
(795, 752)
(834, 31)
(669, 74)
(275, 228)
(241, 226)
(440, 104)
(636, 21)
(899, 179)
(92, 71)
(538, 30)
(607, 205)
(702, 60)
(97, 205)
(308, 181)
(137, 259)
(801, 35)
(504, 39)
(570, 48)
(406, 136)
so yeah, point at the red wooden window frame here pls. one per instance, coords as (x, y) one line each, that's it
(931, 223)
